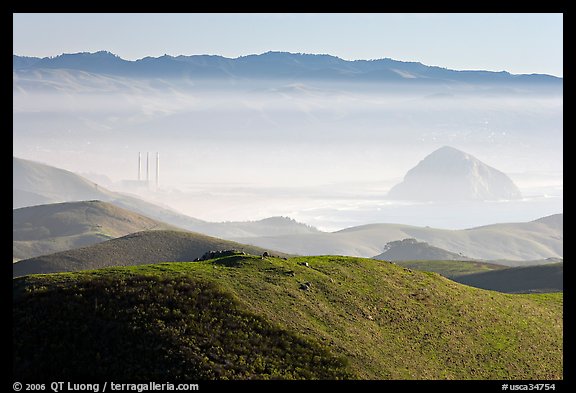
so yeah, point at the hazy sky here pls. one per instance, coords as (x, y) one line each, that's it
(518, 43)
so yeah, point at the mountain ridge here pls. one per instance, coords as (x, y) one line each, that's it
(274, 64)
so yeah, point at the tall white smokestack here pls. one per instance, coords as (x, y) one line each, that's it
(157, 168)
(147, 168)
(139, 165)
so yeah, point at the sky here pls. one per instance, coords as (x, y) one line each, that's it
(517, 43)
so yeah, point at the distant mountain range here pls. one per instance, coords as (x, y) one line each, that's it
(449, 174)
(275, 65)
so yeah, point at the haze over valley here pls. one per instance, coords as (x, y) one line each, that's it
(312, 137)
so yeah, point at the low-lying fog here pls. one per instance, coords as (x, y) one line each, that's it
(324, 155)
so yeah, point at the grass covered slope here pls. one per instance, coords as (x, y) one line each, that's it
(46, 229)
(247, 317)
(542, 278)
(144, 327)
(450, 268)
(138, 248)
(526, 279)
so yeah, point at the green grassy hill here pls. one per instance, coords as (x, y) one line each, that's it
(46, 229)
(543, 278)
(138, 248)
(243, 317)
(526, 279)
(450, 268)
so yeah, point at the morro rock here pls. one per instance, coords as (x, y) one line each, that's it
(449, 174)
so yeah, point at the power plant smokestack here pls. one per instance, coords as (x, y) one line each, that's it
(147, 168)
(157, 168)
(148, 177)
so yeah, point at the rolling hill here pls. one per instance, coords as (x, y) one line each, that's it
(52, 184)
(33, 180)
(450, 268)
(135, 249)
(510, 244)
(271, 226)
(245, 317)
(411, 249)
(46, 229)
(35, 183)
(545, 277)
(22, 198)
(529, 279)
